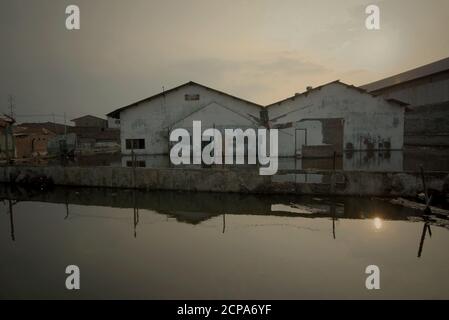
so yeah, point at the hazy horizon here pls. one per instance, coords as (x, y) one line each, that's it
(262, 51)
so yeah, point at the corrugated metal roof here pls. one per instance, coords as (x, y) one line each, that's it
(420, 72)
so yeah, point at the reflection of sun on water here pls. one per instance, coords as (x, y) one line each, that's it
(377, 223)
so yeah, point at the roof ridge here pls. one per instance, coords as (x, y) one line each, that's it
(87, 115)
(409, 75)
(115, 112)
(351, 86)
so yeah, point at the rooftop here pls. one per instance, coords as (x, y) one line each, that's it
(417, 73)
(88, 116)
(50, 126)
(309, 90)
(115, 113)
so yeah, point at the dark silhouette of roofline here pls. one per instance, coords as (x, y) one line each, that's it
(410, 75)
(88, 115)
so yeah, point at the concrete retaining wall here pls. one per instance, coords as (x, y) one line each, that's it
(241, 181)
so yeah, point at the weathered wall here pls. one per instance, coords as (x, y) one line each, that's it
(90, 122)
(369, 122)
(324, 137)
(428, 125)
(153, 120)
(244, 181)
(32, 144)
(113, 123)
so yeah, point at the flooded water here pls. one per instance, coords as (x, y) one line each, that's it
(160, 245)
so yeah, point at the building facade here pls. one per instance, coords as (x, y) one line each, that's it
(147, 124)
(335, 118)
(331, 121)
(31, 142)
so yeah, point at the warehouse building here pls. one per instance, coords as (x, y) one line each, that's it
(336, 117)
(319, 123)
(426, 90)
(146, 125)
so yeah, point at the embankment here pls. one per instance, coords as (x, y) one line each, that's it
(350, 183)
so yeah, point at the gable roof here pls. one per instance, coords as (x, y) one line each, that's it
(360, 90)
(410, 75)
(116, 113)
(88, 116)
(6, 120)
(50, 126)
(22, 130)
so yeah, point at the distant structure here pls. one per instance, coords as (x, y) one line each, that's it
(94, 135)
(32, 138)
(89, 121)
(426, 90)
(53, 139)
(54, 127)
(31, 142)
(62, 145)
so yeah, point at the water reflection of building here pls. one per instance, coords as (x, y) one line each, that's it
(373, 161)
(196, 208)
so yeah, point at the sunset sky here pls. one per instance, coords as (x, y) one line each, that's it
(262, 51)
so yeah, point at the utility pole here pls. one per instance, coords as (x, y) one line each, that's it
(11, 105)
(9, 131)
(65, 126)
(54, 122)
(11, 220)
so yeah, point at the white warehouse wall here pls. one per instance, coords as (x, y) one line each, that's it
(153, 119)
(366, 118)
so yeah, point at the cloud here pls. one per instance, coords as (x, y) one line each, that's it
(262, 51)
(257, 79)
